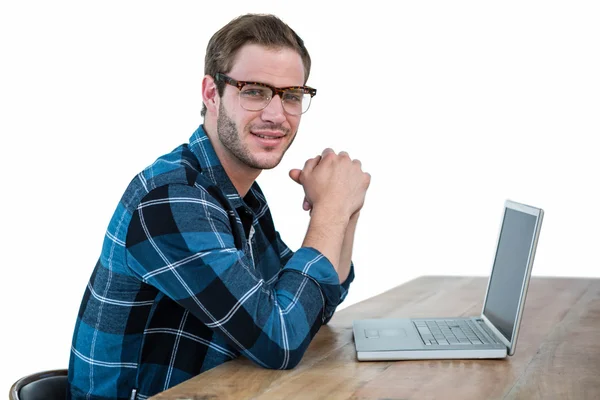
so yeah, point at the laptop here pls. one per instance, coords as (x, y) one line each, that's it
(494, 333)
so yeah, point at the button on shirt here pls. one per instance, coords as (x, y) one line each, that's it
(190, 276)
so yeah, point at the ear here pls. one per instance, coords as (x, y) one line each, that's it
(210, 95)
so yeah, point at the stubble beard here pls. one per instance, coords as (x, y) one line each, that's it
(230, 139)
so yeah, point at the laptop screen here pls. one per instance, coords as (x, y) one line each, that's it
(510, 270)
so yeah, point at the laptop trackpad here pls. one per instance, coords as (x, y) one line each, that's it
(377, 333)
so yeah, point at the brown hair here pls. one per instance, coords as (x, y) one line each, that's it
(262, 29)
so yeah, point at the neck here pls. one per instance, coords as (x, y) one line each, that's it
(242, 176)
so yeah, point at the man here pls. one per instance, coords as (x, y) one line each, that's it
(192, 271)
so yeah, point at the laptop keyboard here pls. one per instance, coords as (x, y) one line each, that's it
(450, 332)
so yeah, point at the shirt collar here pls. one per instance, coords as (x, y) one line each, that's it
(212, 168)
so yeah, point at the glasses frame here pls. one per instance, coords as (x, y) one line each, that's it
(276, 91)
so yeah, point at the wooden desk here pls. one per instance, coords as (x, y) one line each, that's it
(557, 356)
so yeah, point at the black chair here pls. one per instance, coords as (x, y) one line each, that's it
(47, 385)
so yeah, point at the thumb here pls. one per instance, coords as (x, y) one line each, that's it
(295, 175)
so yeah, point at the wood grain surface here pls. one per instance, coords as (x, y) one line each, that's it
(557, 354)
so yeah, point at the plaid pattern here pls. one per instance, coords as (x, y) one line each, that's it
(191, 276)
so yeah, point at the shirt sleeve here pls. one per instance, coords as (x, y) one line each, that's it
(180, 241)
(285, 253)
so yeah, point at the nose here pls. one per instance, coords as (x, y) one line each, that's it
(274, 112)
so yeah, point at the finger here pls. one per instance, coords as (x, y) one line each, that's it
(306, 205)
(357, 162)
(344, 154)
(310, 164)
(295, 174)
(328, 150)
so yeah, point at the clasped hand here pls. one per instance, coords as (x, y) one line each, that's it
(334, 183)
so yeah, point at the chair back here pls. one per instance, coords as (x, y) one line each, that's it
(47, 385)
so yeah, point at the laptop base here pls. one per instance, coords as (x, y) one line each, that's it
(399, 339)
(442, 354)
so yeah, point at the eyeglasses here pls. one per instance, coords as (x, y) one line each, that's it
(256, 96)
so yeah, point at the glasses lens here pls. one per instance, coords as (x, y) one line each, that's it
(255, 98)
(295, 101)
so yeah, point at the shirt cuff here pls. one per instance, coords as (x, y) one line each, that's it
(313, 264)
(345, 286)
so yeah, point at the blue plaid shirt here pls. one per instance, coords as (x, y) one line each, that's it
(190, 276)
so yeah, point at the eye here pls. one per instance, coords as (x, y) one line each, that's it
(255, 92)
(293, 97)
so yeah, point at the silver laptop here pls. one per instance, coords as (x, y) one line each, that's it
(494, 333)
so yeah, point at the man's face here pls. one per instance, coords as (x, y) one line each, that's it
(259, 139)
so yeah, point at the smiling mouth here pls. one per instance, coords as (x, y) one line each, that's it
(268, 137)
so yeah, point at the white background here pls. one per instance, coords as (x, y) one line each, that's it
(453, 107)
